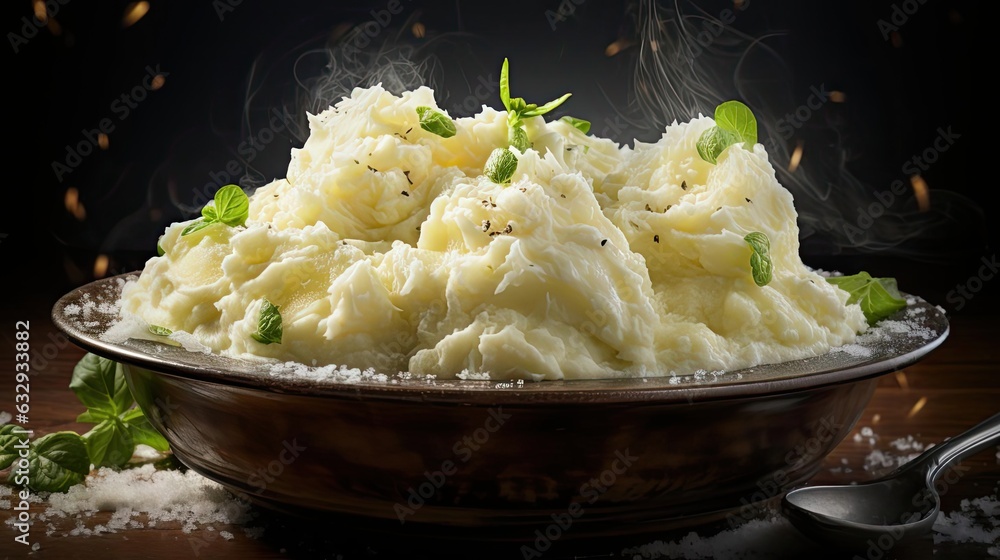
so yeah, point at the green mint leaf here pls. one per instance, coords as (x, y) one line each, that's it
(518, 138)
(714, 141)
(268, 324)
(500, 166)
(57, 461)
(518, 106)
(737, 118)
(142, 431)
(8, 445)
(199, 224)
(505, 84)
(109, 444)
(579, 124)
(760, 259)
(537, 111)
(159, 248)
(160, 331)
(232, 206)
(436, 122)
(878, 297)
(100, 385)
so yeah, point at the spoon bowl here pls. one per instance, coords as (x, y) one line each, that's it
(897, 507)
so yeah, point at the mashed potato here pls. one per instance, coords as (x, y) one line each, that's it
(385, 246)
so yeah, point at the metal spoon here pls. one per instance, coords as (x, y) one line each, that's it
(899, 506)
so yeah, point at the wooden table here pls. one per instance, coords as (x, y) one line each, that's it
(958, 385)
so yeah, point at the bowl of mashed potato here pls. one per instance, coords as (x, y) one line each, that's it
(497, 322)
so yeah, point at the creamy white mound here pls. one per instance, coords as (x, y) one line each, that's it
(386, 247)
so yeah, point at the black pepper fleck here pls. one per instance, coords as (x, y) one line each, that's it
(562, 196)
(370, 168)
(750, 201)
(404, 193)
(684, 185)
(407, 173)
(656, 238)
(604, 242)
(486, 225)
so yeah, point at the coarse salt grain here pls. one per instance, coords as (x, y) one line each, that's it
(159, 495)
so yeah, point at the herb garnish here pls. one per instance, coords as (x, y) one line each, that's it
(878, 297)
(436, 122)
(231, 207)
(60, 460)
(761, 266)
(268, 324)
(734, 123)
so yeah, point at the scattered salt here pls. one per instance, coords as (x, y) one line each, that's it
(158, 495)
(755, 539)
(5, 417)
(71, 310)
(977, 521)
(36, 547)
(226, 535)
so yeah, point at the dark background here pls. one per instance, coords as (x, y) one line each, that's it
(228, 65)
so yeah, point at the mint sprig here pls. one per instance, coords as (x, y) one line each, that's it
(231, 207)
(761, 266)
(436, 122)
(878, 297)
(734, 123)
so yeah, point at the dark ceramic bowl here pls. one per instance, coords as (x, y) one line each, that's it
(498, 460)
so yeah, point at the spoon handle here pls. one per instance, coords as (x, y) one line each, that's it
(933, 461)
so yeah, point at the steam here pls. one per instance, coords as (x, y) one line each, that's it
(688, 61)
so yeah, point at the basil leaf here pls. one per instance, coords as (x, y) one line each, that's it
(878, 297)
(738, 118)
(505, 85)
(57, 461)
(159, 248)
(160, 331)
(90, 418)
(109, 444)
(232, 206)
(142, 431)
(100, 385)
(268, 324)
(197, 225)
(760, 259)
(8, 441)
(500, 166)
(436, 122)
(579, 124)
(518, 138)
(537, 111)
(714, 141)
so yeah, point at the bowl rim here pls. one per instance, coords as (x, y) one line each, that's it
(767, 379)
